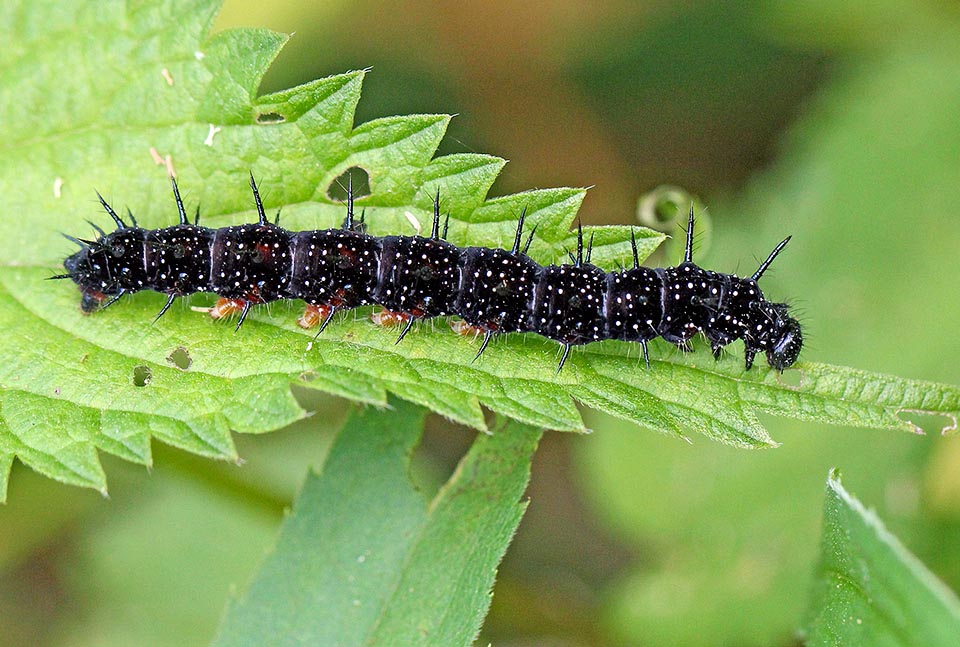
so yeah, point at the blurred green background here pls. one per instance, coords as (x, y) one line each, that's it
(838, 123)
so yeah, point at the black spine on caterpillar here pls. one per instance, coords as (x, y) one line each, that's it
(494, 291)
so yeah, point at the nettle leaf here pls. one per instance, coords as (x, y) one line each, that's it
(869, 589)
(372, 559)
(94, 95)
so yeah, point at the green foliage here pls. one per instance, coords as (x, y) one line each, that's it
(861, 181)
(87, 111)
(714, 546)
(728, 537)
(364, 559)
(869, 590)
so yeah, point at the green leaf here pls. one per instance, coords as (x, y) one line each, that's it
(719, 543)
(869, 589)
(78, 111)
(365, 559)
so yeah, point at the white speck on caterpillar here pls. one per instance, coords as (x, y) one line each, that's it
(57, 186)
(166, 75)
(199, 55)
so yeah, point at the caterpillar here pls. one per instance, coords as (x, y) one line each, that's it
(492, 291)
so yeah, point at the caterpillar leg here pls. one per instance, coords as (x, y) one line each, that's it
(387, 318)
(464, 329)
(91, 301)
(316, 315)
(225, 308)
(392, 318)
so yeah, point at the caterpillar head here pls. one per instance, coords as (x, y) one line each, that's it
(107, 267)
(778, 335)
(785, 344)
(771, 329)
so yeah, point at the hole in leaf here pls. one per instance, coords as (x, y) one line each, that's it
(792, 378)
(928, 421)
(337, 191)
(270, 118)
(180, 358)
(142, 375)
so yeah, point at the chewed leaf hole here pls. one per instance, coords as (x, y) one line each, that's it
(142, 375)
(180, 358)
(337, 191)
(270, 118)
(791, 378)
(925, 422)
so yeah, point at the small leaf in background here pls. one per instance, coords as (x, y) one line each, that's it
(869, 589)
(365, 559)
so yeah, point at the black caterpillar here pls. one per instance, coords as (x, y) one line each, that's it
(417, 277)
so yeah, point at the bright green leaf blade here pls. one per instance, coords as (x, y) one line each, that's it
(451, 568)
(71, 456)
(79, 112)
(869, 589)
(364, 559)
